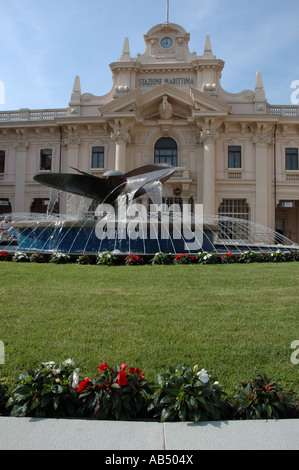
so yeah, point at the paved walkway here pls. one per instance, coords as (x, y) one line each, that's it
(51, 434)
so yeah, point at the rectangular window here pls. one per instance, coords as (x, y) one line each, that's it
(234, 216)
(2, 161)
(45, 160)
(234, 156)
(97, 157)
(292, 159)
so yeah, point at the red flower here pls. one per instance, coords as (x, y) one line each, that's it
(83, 385)
(268, 387)
(176, 256)
(135, 371)
(122, 379)
(103, 367)
(136, 258)
(123, 366)
(230, 254)
(4, 254)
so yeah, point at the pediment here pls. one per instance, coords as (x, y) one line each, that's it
(149, 105)
(206, 103)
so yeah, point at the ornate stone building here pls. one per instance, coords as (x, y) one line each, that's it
(235, 153)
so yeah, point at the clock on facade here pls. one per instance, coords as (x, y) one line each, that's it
(166, 43)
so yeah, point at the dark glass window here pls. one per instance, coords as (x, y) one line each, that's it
(234, 156)
(292, 159)
(2, 161)
(166, 151)
(97, 157)
(45, 160)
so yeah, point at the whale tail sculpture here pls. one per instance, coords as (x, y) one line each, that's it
(110, 185)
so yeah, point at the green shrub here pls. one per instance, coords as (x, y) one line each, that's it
(260, 398)
(186, 394)
(119, 393)
(60, 258)
(207, 258)
(3, 398)
(134, 260)
(86, 259)
(278, 256)
(229, 258)
(4, 256)
(20, 257)
(161, 258)
(249, 257)
(184, 258)
(107, 258)
(48, 392)
(39, 258)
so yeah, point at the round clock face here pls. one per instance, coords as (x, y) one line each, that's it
(166, 43)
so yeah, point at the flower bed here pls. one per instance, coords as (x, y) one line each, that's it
(111, 259)
(123, 393)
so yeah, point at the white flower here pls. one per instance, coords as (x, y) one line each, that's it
(49, 365)
(69, 362)
(203, 376)
(75, 382)
(195, 368)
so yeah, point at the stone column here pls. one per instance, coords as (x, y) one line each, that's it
(208, 138)
(72, 154)
(70, 203)
(263, 205)
(21, 165)
(120, 138)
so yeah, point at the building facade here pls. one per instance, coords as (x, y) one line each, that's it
(234, 153)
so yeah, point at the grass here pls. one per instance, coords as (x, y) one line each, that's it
(233, 320)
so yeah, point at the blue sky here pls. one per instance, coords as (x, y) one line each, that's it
(44, 44)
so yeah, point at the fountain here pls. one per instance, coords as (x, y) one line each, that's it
(122, 225)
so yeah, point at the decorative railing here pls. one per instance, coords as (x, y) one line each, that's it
(288, 111)
(180, 173)
(292, 177)
(33, 115)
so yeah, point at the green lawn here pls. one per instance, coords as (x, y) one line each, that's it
(233, 320)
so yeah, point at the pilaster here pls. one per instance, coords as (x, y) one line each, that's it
(120, 138)
(20, 181)
(263, 208)
(208, 138)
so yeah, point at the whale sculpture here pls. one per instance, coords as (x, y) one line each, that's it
(108, 187)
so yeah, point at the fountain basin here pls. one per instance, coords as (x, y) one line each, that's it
(82, 237)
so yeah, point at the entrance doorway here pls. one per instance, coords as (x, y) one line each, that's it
(287, 219)
(5, 206)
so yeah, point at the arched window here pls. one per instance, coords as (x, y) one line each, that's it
(166, 151)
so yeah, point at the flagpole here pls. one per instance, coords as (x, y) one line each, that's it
(167, 11)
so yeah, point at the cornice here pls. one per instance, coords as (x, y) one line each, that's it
(125, 66)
